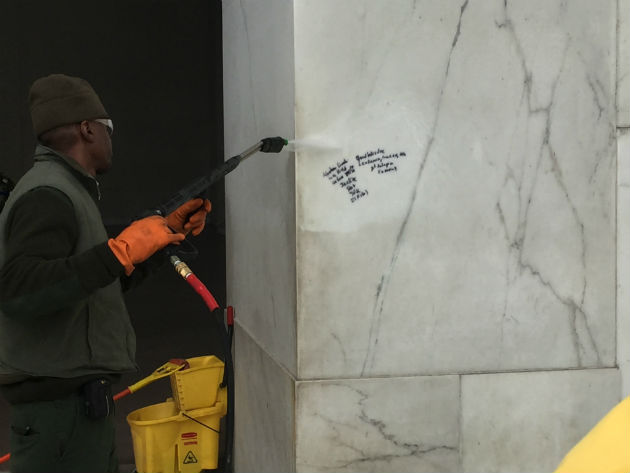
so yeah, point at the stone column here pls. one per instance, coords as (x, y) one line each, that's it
(623, 193)
(428, 282)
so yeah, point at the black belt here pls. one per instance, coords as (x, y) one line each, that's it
(50, 389)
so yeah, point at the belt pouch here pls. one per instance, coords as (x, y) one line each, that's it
(97, 395)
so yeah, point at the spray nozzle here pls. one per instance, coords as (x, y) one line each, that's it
(273, 145)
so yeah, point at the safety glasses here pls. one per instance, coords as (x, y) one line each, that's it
(108, 124)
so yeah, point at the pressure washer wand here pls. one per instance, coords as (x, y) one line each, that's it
(199, 186)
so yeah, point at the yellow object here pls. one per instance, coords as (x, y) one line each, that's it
(166, 441)
(166, 369)
(606, 448)
(181, 435)
(198, 385)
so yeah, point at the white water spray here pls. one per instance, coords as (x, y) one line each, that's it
(315, 146)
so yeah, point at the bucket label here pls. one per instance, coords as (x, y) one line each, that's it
(190, 457)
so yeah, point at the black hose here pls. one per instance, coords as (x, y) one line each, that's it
(227, 464)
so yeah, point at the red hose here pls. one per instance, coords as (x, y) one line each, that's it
(5, 458)
(203, 291)
(121, 394)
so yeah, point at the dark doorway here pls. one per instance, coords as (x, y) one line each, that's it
(156, 65)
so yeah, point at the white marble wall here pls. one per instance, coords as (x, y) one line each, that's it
(260, 195)
(457, 217)
(378, 425)
(491, 244)
(265, 413)
(623, 64)
(498, 422)
(623, 193)
(527, 422)
(623, 257)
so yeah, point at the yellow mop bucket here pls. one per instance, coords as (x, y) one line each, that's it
(181, 435)
(197, 386)
(167, 440)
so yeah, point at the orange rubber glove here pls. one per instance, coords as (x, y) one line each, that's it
(141, 239)
(181, 221)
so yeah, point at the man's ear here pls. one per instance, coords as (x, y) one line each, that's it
(86, 130)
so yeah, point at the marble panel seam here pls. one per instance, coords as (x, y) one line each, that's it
(460, 374)
(286, 370)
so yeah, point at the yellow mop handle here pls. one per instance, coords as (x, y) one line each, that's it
(174, 364)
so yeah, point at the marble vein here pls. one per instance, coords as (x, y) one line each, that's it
(381, 291)
(250, 58)
(597, 89)
(546, 149)
(344, 355)
(364, 456)
(384, 45)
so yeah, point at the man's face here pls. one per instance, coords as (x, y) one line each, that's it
(102, 152)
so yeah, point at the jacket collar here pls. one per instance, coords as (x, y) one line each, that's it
(44, 153)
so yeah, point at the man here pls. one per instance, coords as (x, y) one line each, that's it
(65, 333)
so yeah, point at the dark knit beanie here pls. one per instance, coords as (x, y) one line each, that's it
(58, 99)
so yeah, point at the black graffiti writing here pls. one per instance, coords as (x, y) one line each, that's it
(379, 161)
(344, 173)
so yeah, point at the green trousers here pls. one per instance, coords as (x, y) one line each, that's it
(56, 436)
